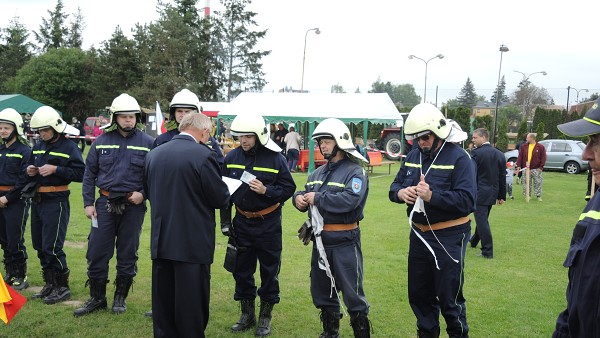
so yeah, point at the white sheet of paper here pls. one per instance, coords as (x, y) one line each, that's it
(232, 184)
(247, 177)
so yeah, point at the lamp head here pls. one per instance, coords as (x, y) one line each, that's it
(410, 57)
(440, 56)
(544, 73)
(503, 48)
(317, 31)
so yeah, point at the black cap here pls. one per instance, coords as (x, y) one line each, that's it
(588, 125)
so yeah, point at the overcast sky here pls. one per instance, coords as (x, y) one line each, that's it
(362, 41)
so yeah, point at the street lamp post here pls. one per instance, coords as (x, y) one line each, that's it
(525, 82)
(317, 31)
(576, 90)
(439, 56)
(503, 49)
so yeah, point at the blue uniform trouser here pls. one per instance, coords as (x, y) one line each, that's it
(483, 231)
(431, 290)
(13, 219)
(122, 231)
(345, 258)
(49, 220)
(258, 239)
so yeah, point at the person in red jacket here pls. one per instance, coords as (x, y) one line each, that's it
(533, 155)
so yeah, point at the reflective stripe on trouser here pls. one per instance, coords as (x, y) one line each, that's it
(120, 231)
(345, 258)
(260, 240)
(13, 220)
(535, 183)
(431, 290)
(49, 220)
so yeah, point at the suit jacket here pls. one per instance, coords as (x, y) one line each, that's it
(183, 182)
(491, 174)
(538, 157)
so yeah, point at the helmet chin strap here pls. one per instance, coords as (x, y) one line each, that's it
(333, 153)
(127, 130)
(10, 137)
(252, 151)
(428, 151)
(54, 138)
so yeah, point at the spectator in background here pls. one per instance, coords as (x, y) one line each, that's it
(292, 148)
(533, 155)
(97, 131)
(280, 135)
(222, 129)
(360, 147)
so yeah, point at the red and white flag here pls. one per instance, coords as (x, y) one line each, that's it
(160, 121)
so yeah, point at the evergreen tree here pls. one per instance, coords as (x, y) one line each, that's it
(502, 138)
(540, 131)
(55, 32)
(522, 131)
(15, 51)
(243, 67)
(467, 96)
(501, 89)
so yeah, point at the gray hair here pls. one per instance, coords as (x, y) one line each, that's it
(195, 121)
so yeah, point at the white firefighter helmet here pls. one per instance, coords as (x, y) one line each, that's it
(425, 118)
(253, 124)
(47, 117)
(456, 132)
(185, 99)
(11, 116)
(337, 130)
(124, 104)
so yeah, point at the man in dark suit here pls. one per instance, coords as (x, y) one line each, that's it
(184, 192)
(491, 188)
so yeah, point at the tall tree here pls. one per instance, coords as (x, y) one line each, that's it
(15, 51)
(242, 62)
(58, 78)
(528, 96)
(502, 139)
(501, 89)
(467, 96)
(337, 88)
(402, 94)
(55, 32)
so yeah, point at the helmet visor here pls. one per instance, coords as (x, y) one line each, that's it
(424, 135)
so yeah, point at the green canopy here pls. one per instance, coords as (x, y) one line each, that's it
(20, 103)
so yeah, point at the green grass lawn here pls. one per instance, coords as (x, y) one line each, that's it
(517, 294)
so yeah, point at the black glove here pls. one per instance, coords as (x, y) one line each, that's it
(305, 232)
(31, 191)
(226, 226)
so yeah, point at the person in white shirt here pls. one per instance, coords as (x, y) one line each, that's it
(292, 148)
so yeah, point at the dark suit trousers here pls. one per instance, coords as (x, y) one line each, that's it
(483, 231)
(180, 298)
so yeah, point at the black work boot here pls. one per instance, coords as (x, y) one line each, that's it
(18, 281)
(247, 318)
(426, 334)
(331, 324)
(8, 269)
(97, 299)
(122, 283)
(60, 291)
(263, 328)
(361, 326)
(48, 276)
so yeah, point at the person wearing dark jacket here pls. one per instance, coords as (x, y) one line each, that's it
(256, 227)
(55, 162)
(533, 155)
(491, 188)
(184, 192)
(14, 211)
(337, 192)
(580, 317)
(437, 182)
(115, 166)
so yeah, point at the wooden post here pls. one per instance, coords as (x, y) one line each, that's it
(527, 178)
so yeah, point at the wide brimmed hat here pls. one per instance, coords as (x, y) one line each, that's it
(588, 125)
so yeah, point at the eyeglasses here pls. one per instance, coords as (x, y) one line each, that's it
(419, 137)
(424, 137)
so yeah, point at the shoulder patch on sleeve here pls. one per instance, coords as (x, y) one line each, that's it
(356, 184)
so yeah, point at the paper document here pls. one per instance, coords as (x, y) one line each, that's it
(232, 184)
(247, 177)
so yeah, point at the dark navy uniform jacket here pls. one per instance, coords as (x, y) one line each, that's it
(116, 163)
(66, 156)
(212, 143)
(580, 318)
(341, 191)
(270, 168)
(13, 165)
(451, 180)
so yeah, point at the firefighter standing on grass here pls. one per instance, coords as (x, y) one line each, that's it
(339, 191)
(115, 165)
(257, 223)
(55, 162)
(14, 155)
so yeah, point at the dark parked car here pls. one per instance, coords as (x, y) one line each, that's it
(560, 154)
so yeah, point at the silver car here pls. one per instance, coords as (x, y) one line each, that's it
(560, 154)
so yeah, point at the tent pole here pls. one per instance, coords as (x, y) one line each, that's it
(366, 132)
(311, 148)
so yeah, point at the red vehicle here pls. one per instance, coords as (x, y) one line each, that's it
(392, 142)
